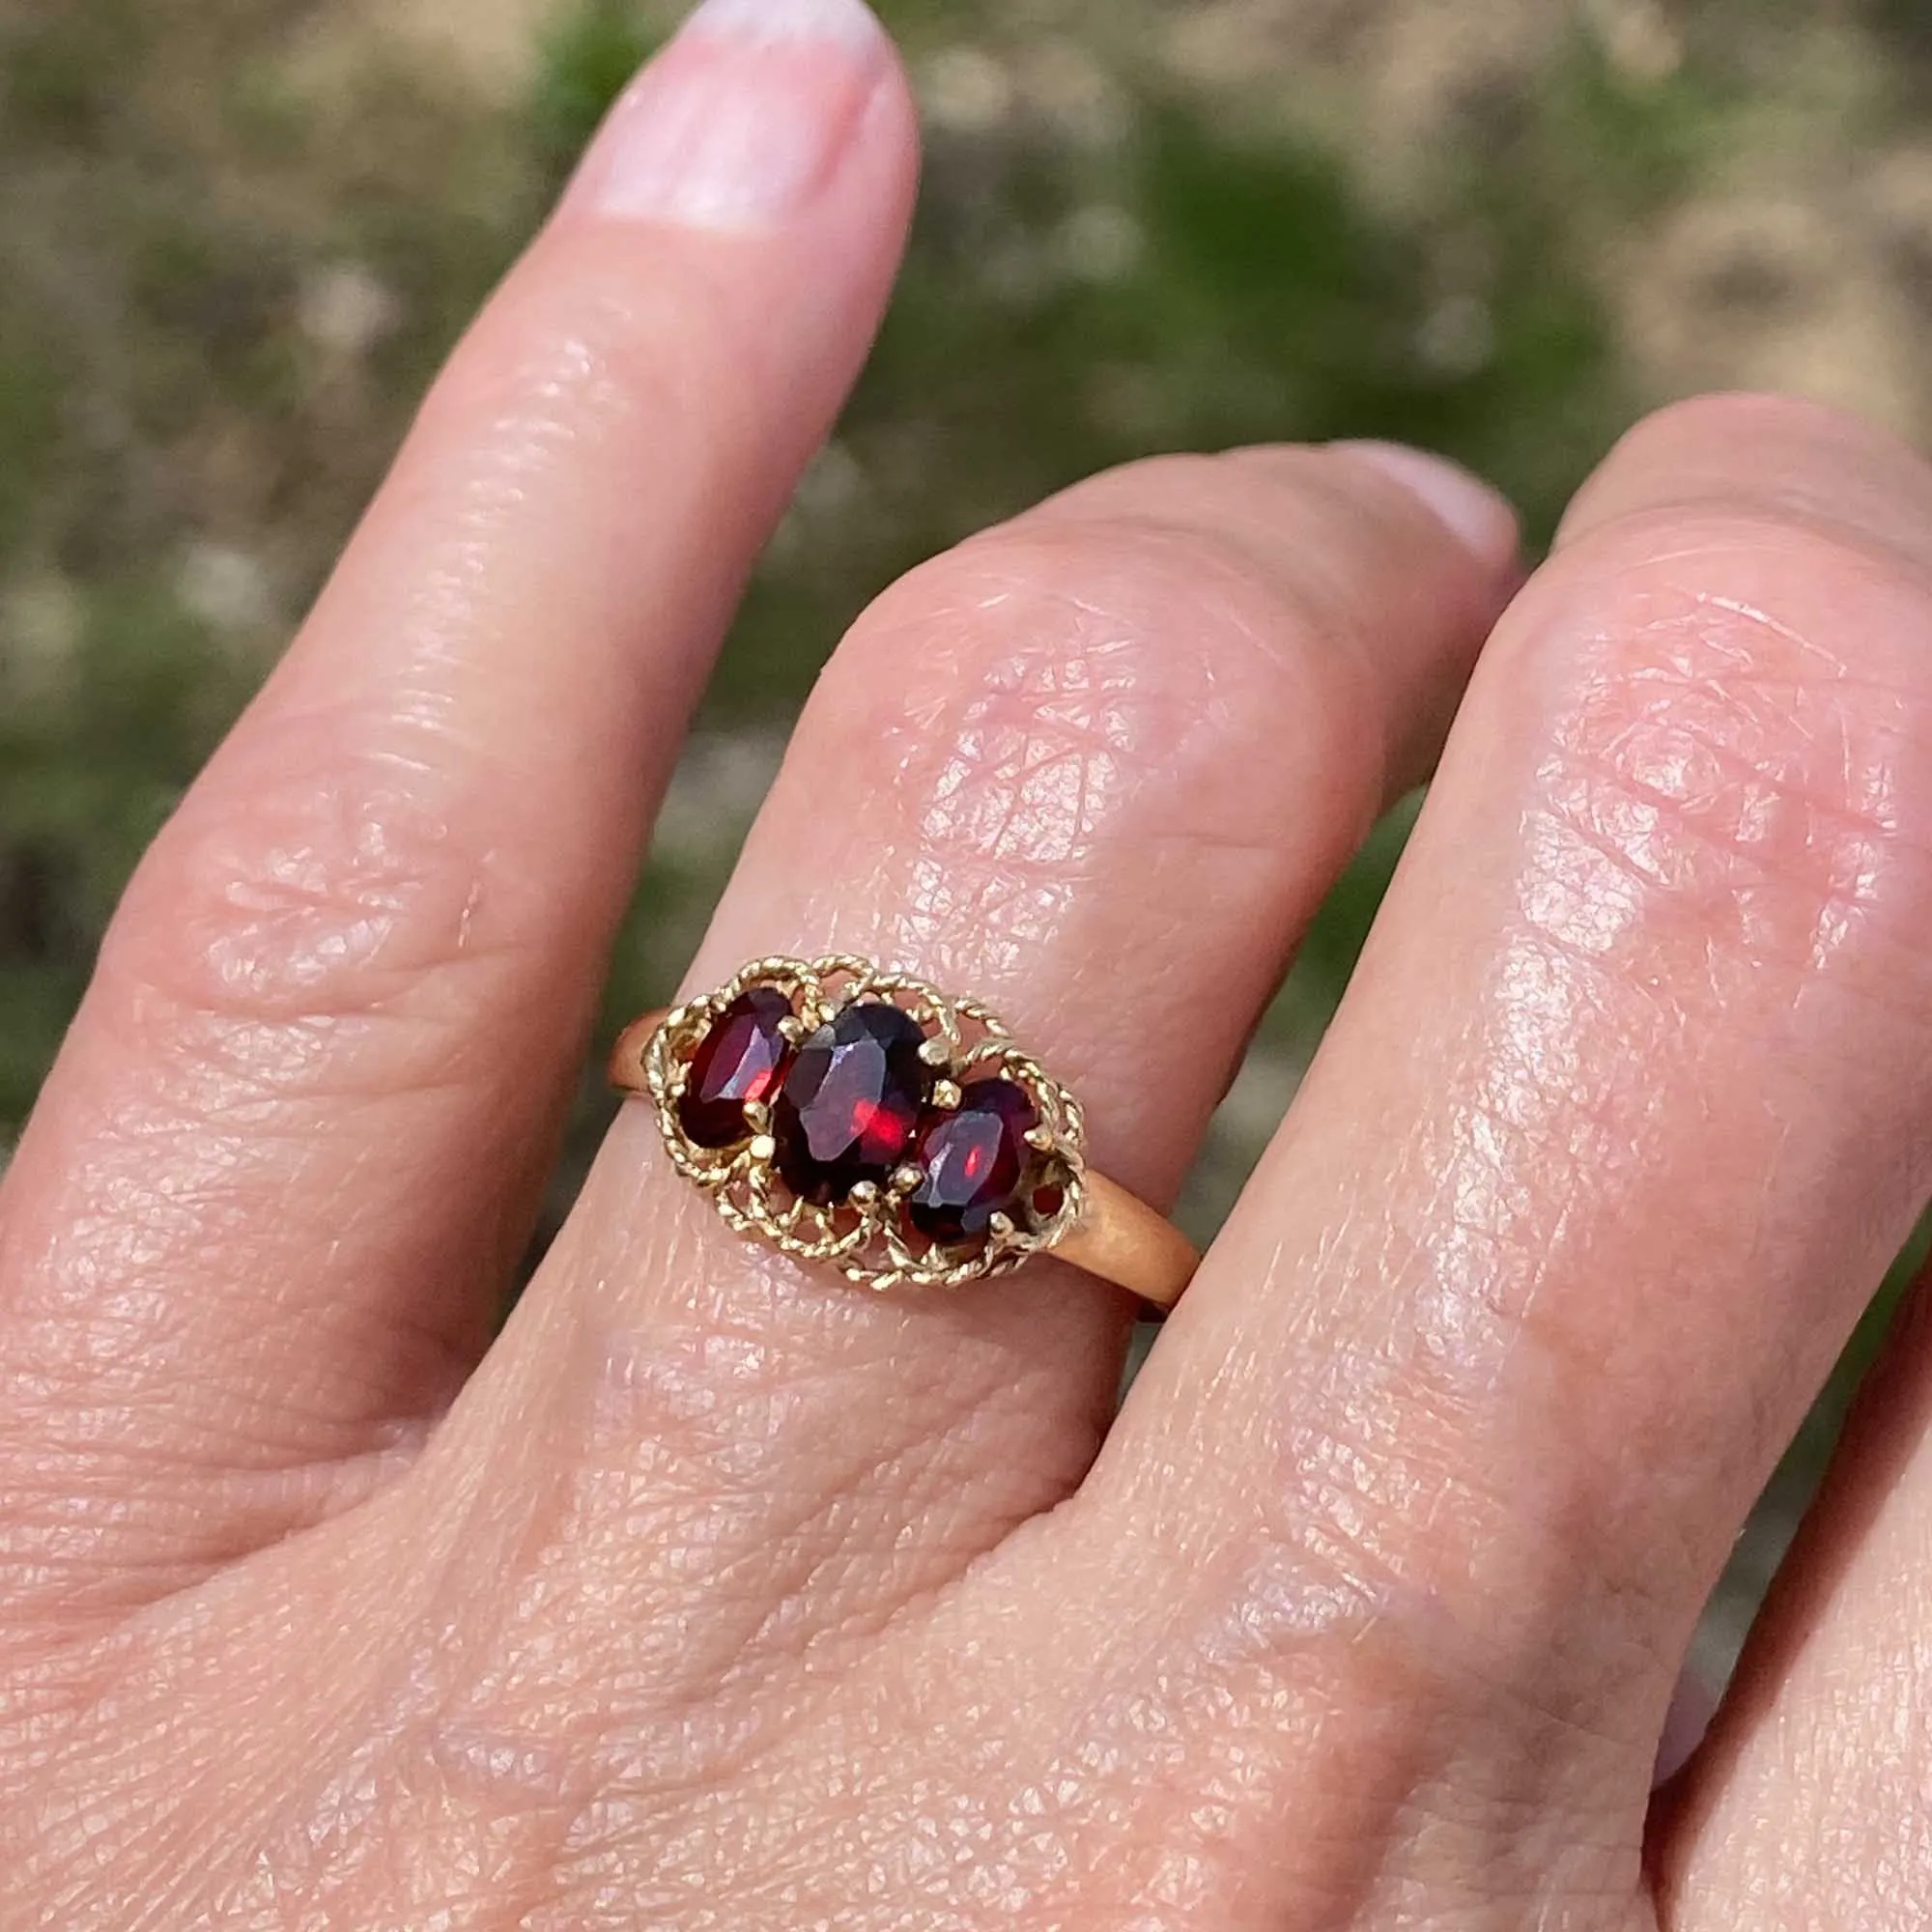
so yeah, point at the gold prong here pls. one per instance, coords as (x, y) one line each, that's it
(758, 1115)
(864, 1193)
(1002, 1226)
(907, 1177)
(792, 1028)
(765, 1147)
(1040, 1139)
(946, 1096)
(937, 1051)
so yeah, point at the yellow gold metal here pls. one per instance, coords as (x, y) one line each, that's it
(1077, 1215)
(1121, 1240)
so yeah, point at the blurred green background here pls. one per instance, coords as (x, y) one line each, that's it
(238, 236)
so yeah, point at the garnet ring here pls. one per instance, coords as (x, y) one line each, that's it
(863, 1119)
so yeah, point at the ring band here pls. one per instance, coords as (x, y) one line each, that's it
(860, 1119)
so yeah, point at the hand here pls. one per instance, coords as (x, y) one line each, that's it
(719, 1595)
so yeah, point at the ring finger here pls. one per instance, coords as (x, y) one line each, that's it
(1097, 769)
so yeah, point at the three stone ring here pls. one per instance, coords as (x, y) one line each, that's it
(862, 1120)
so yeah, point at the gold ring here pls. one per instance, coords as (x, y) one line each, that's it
(860, 1119)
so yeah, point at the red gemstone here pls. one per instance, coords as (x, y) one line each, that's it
(851, 1102)
(741, 1058)
(976, 1162)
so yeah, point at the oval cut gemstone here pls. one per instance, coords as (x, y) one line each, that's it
(850, 1104)
(976, 1162)
(741, 1058)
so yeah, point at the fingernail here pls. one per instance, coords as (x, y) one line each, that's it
(743, 119)
(1479, 516)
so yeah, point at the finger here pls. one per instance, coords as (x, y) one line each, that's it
(265, 1212)
(1809, 1795)
(1621, 1120)
(1097, 769)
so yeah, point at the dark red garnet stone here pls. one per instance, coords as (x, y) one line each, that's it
(976, 1162)
(741, 1058)
(849, 1107)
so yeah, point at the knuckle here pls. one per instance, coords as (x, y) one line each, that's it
(1738, 735)
(1723, 418)
(1387, 1573)
(1356, 1621)
(1033, 687)
(300, 888)
(1784, 458)
(1187, 478)
(1264, 490)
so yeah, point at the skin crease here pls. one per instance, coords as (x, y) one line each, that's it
(719, 1596)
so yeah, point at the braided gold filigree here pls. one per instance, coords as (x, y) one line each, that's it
(866, 1239)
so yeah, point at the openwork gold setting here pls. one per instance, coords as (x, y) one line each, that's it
(1061, 1206)
(864, 1238)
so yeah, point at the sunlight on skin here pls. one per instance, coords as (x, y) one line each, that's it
(717, 1596)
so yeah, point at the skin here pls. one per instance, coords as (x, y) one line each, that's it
(716, 1595)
